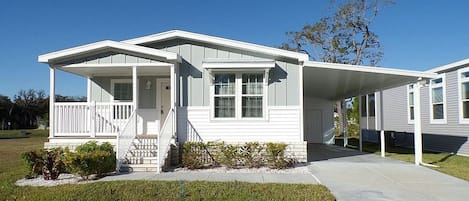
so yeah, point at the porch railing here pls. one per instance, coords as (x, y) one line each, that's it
(167, 133)
(125, 138)
(90, 119)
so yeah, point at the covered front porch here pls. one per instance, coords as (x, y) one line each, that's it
(131, 95)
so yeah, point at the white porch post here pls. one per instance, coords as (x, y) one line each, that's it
(51, 102)
(417, 124)
(135, 93)
(173, 94)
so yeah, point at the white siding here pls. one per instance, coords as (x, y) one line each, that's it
(282, 125)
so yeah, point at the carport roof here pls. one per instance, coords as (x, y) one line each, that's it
(337, 81)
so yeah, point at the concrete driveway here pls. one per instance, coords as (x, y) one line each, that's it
(353, 175)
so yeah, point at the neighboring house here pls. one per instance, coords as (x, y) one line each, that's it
(148, 93)
(444, 111)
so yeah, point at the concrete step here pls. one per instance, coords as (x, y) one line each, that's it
(138, 168)
(142, 160)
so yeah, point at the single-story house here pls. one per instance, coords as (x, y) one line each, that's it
(445, 111)
(177, 86)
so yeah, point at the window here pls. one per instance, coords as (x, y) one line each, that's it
(437, 101)
(363, 106)
(252, 95)
(410, 103)
(464, 95)
(238, 95)
(122, 90)
(225, 94)
(371, 105)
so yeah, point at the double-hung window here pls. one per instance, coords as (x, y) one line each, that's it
(437, 100)
(225, 96)
(463, 75)
(410, 103)
(238, 95)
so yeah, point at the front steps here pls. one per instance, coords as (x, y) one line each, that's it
(142, 155)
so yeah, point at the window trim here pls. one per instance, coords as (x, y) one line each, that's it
(113, 82)
(409, 90)
(430, 92)
(462, 120)
(238, 95)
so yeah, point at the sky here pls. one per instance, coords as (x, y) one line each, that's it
(415, 35)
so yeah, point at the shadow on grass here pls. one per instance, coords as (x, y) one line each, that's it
(443, 159)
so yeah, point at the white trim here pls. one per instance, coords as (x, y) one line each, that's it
(449, 66)
(118, 65)
(218, 41)
(408, 90)
(45, 58)
(430, 92)
(111, 94)
(301, 93)
(52, 102)
(88, 89)
(238, 98)
(229, 64)
(369, 69)
(462, 120)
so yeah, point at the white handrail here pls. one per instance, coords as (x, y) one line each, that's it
(164, 139)
(125, 138)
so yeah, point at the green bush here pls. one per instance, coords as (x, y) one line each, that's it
(197, 155)
(276, 156)
(91, 158)
(251, 153)
(192, 155)
(48, 163)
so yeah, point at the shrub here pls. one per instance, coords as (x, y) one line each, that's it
(192, 155)
(276, 156)
(48, 163)
(251, 153)
(230, 156)
(91, 158)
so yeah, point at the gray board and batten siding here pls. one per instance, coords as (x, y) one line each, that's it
(447, 137)
(282, 91)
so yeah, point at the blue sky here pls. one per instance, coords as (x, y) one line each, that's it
(415, 35)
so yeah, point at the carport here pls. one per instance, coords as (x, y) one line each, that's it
(333, 82)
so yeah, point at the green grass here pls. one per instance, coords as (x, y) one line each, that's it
(12, 169)
(451, 164)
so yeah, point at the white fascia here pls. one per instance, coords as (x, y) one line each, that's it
(449, 66)
(45, 58)
(218, 41)
(369, 69)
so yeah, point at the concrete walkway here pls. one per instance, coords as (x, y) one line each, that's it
(299, 178)
(353, 175)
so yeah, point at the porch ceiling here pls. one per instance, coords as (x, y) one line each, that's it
(90, 70)
(338, 81)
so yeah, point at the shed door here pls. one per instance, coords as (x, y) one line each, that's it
(313, 126)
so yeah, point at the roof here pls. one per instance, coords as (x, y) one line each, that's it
(173, 34)
(337, 81)
(106, 44)
(449, 67)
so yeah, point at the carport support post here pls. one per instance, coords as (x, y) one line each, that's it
(135, 93)
(417, 124)
(344, 116)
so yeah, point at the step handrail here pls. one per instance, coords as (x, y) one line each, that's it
(165, 136)
(124, 139)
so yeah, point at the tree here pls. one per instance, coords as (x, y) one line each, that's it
(6, 107)
(342, 37)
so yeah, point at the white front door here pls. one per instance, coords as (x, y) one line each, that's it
(164, 99)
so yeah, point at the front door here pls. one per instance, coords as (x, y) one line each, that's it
(164, 99)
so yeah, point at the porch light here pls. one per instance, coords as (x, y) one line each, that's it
(148, 85)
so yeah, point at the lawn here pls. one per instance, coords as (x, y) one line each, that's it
(447, 163)
(12, 169)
